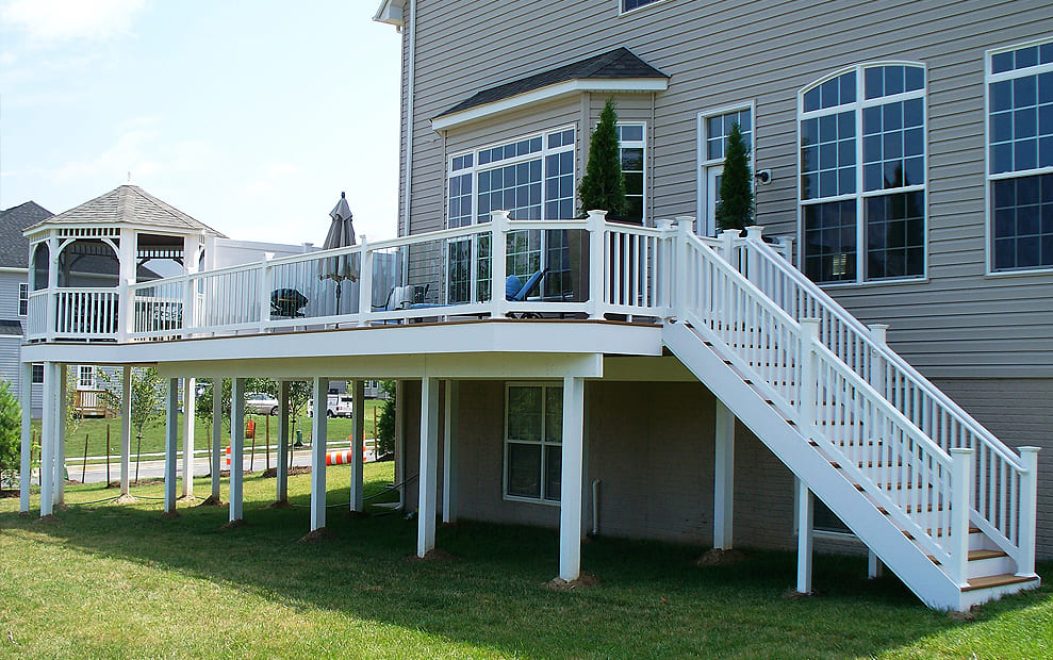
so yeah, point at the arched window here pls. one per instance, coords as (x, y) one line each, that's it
(88, 262)
(863, 173)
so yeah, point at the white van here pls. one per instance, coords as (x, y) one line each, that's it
(337, 405)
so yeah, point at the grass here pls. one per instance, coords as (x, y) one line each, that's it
(109, 580)
(153, 436)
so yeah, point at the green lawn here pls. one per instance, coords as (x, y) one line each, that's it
(153, 436)
(105, 580)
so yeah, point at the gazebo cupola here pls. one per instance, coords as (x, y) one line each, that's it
(82, 261)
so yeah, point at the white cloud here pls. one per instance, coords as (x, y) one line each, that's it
(63, 20)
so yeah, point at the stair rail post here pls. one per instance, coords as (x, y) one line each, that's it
(365, 282)
(808, 384)
(754, 234)
(681, 277)
(876, 372)
(498, 262)
(595, 226)
(666, 264)
(265, 292)
(727, 246)
(961, 503)
(1025, 564)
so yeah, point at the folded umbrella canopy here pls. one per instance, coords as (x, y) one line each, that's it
(341, 234)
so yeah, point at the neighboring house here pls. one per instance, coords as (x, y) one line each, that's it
(14, 291)
(660, 381)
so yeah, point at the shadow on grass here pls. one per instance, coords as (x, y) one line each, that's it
(651, 600)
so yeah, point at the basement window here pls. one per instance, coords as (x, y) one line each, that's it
(533, 442)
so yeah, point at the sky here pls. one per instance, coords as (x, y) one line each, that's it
(251, 116)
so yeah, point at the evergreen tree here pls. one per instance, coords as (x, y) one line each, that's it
(735, 206)
(10, 432)
(602, 187)
(386, 424)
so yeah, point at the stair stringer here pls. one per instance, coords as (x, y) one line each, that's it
(906, 560)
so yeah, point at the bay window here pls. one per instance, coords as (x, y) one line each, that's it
(862, 174)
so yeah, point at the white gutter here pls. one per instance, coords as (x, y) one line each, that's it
(411, 66)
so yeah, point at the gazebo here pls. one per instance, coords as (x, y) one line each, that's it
(82, 261)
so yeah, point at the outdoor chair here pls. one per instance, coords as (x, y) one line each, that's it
(516, 291)
(288, 303)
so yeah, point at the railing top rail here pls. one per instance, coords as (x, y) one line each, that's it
(888, 353)
(81, 289)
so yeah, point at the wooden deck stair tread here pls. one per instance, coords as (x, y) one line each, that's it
(976, 555)
(990, 581)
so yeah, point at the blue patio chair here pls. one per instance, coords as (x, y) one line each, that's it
(516, 291)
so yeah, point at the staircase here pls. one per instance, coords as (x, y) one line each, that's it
(944, 504)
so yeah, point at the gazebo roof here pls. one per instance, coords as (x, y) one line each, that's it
(127, 205)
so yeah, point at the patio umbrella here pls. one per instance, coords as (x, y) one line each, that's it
(341, 234)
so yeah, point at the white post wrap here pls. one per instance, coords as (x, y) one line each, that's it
(809, 375)
(449, 453)
(572, 478)
(25, 467)
(47, 440)
(724, 478)
(237, 449)
(216, 468)
(189, 413)
(429, 464)
(319, 430)
(365, 282)
(282, 469)
(1028, 511)
(358, 411)
(126, 431)
(961, 502)
(685, 229)
(498, 263)
(873, 565)
(60, 431)
(171, 442)
(754, 234)
(804, 538)
(596, 227)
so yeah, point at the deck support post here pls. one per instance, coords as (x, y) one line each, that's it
(804, 538)
(126, 431)
(960, 505)
(171, 443)
(429, 465)
(47, 440)
(25, 468)
(875, 568)
(1028, 511)
(724, 478)
(319, 429)
(572, 478)
(216, 468)
(60, 431)
(189, 413)
(237, 450)
(451, 413)
(282, 468)
(358, 430)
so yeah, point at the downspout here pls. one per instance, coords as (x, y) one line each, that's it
(411, 70)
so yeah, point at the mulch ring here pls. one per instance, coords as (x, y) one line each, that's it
(718, 557)
(272, 473)
(584, 581)
(433, 555)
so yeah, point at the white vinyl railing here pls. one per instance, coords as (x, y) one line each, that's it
(37, 315)
(876, 445)
(85, 313)
(1001, 502)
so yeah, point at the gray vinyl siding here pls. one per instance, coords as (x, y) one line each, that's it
(9, 294)
(9, 371)
(959, 322)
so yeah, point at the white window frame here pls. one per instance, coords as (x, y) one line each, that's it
(830, 534)
(707, 225)
(630, 12)
(860, 195)
(989, 79)
(23, 298)
(544, 385)
(89, 384)
(475, 169)
(642, 145)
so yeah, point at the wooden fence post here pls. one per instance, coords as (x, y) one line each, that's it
(138, 451)
(267, 441)
(84, 463)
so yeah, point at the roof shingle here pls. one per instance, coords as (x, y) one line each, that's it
(14, 248)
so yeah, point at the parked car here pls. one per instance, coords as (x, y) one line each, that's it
(261, 404)
(337, 405)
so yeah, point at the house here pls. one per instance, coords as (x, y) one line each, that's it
(14, 292)
(877, 380)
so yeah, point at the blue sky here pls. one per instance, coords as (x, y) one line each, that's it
(250, 116)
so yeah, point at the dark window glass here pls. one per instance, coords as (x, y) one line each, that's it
(895, 235)
(1022, 212)
(38, 373)
(824, 520)
(629, 5)
(830, 241)
(524, 470)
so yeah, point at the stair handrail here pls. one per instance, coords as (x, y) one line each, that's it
(929, 540)
(863, 334)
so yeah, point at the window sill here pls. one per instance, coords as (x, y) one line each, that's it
(1023, 272)
(633, 12)
(874, 283)
(530, 500)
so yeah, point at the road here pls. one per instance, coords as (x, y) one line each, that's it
(96, 473)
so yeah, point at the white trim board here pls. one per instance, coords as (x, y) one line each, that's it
(548, 93)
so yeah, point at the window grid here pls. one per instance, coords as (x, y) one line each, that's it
(719, 126)
(632, 144)
(23, 298)
(886, 103)
(1020, 157)
(533, 442)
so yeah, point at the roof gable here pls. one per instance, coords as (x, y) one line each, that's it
(14, 248)
(620, 64)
